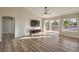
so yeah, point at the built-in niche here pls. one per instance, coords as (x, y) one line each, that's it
(35, 23)
(35, 26)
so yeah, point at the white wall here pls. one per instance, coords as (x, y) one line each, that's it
(22, 18)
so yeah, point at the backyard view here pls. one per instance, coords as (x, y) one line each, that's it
(55, 25)
(70, 25)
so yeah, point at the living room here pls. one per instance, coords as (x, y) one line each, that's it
(19, 26)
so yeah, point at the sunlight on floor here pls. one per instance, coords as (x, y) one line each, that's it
(41, 35)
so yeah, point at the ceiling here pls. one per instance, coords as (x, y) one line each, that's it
(54, 11)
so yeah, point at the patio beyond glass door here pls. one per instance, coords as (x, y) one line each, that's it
(55, 26)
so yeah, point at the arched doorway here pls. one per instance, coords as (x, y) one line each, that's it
(8, 27)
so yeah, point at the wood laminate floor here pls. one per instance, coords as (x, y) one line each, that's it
(40, 43)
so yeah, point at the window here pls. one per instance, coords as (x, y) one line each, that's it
(46, 25)
(70, 25)
(55, 25)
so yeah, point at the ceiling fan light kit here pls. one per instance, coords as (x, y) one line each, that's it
(46, 15)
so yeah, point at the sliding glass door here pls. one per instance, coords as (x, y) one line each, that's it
(55, 25)
(46, 25)
(51, 25)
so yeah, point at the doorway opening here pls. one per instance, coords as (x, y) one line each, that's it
(8, 27)
(55, 25)
(46, 26)
(51, 25)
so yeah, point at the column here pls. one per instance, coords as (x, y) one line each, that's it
(78, 23)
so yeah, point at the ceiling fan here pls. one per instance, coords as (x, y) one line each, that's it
(46, 15)
(45, 10)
